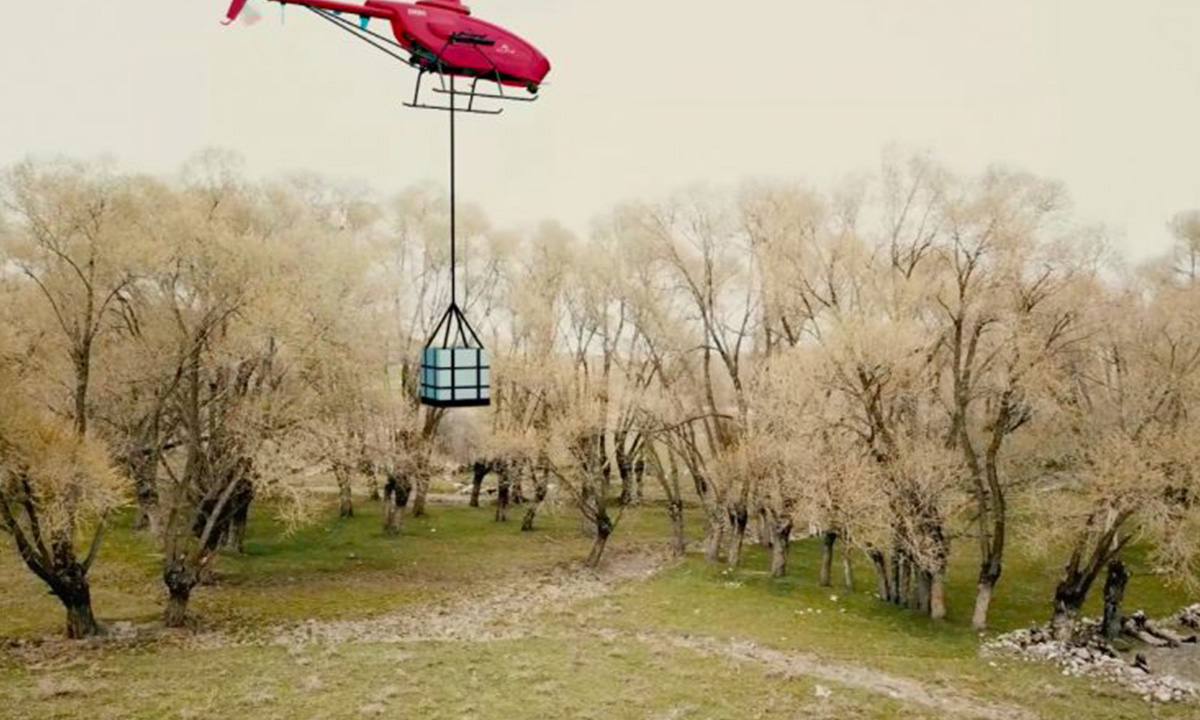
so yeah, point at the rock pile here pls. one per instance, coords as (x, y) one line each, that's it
(1093, 657)
(1189, 616)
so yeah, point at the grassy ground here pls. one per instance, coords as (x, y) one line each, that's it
(796, 614)
(331, 569)
(588, 658)
(527, 679)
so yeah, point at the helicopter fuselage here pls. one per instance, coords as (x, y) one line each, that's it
(443, 37)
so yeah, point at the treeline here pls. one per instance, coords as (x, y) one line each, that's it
(187, 345)
(900, 365)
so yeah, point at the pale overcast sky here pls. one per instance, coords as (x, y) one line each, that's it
(645, 96)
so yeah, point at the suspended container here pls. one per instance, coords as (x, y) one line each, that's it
(454, 366)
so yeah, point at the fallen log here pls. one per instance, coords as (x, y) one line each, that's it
(1142, 628)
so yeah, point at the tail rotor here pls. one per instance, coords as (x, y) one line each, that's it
(235, 10)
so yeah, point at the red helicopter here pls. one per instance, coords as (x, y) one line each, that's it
(439, 37)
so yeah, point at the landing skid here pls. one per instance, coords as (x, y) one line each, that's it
(442, 72)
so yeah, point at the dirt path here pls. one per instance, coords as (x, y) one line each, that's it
(508, 611)
(492, 612)
(790, 664)
(504, 613)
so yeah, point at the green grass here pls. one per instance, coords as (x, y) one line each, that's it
(332, 568)
(348, 569)
(795, 613)
(536, 678)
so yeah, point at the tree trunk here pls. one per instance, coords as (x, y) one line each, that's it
(182, 513)
(667, 474)
(1077, 580)
(540, 488)
(81, 623)
(144, 472)
(391, 514)
(847, 567)
(895, 589)
(780, 540)
(65, 574)
(1114, 595)
(395, 496)
(828, 540)
(639, 477)
(517, 487)
(74, 590)
(144, 454)
(714, 532)
(401, 501)
(1067, 603)
(604, 528)
(83, 368)
(739, 518)
(527, 521)
(922, 579)
(989, 575)
(419, 492)
(761, 527)
(910, 584)
(237, 529)
(503, 487)
(142, 520)
(180, 582)
(882, 585)
(239, 516)
(714, 537)
(625, 472)
(373, 488)
(678, 537)
(937, 596)
(983, 602)
(480, 471)
(61, 571)
(345, 495)
(175, 615)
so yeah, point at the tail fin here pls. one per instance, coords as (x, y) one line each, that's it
(235, 9)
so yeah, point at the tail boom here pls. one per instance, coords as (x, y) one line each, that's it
(236, 7)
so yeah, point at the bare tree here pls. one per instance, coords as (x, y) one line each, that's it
(999, 295)
(54, 484)
(1122, 441)
(69, 233)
